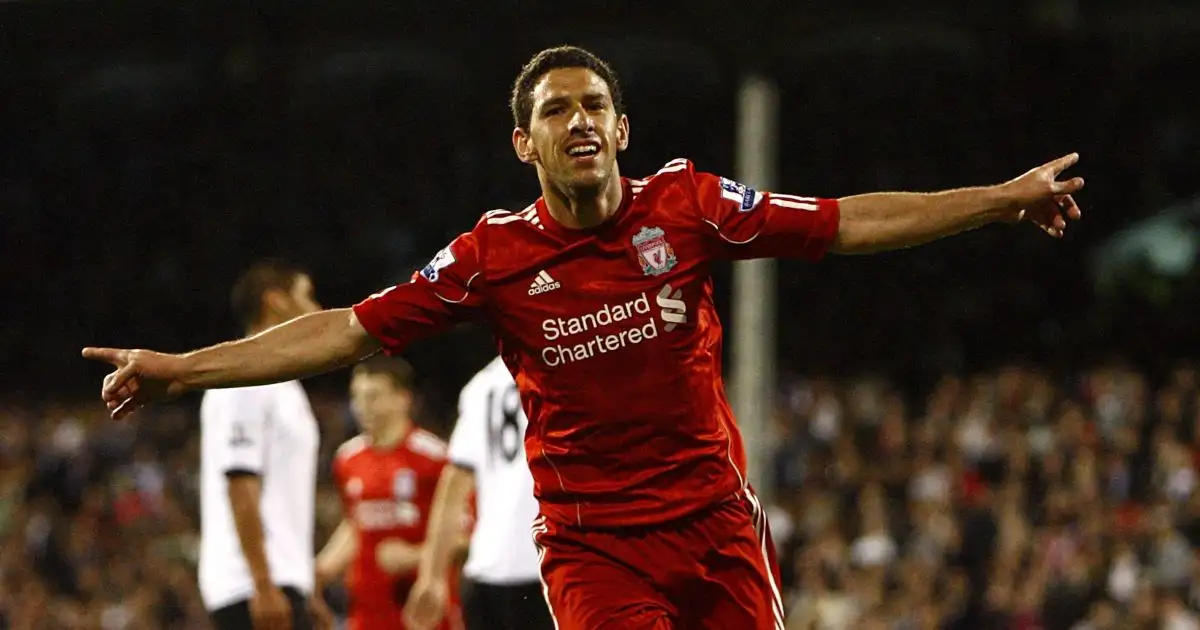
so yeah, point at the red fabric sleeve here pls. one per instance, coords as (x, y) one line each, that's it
(338, 468)
(445, 292)
(750, 224)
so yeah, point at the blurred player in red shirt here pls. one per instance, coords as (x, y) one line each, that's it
(599, 295)
(386, 477)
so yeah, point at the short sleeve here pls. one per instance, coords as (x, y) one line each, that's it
(747, 223)
(443, 293)
(468, 441)
(341, 477)
(237, 420)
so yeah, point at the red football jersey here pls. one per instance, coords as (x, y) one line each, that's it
(612, 336)
(387, 494)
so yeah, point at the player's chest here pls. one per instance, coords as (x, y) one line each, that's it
(595, 301)
(386, 493)
(616, 275)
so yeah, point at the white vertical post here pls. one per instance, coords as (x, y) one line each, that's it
(753, 348)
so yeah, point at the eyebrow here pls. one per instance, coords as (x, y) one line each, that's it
(588, 97)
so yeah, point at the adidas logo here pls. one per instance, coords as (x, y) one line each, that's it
(543, 283)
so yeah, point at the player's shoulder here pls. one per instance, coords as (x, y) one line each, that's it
(674, 171)
(217, 403)
(510, 221)
(425, 444)
(350, 448)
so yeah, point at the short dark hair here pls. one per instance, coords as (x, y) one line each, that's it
(271, 274)
(521, 101)
(399, 371)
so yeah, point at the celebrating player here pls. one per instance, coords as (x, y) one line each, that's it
(386, 477)
(502, 588)
(600, 298)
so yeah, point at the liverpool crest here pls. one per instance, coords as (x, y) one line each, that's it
(654, 252)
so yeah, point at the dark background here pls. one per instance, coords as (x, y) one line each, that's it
(1013, 415)
(151, 150)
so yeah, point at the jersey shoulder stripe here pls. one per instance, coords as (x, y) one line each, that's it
(351, 447)
(425, 443)
(528, 216)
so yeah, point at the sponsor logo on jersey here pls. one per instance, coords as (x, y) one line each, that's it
(543, 283)
(634, 321)
(747, 198)
(674, 309)
(381, 514)
(441, 260)
(655, 254)
(404, 484)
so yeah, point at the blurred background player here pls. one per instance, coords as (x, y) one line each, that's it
(386, 477)
(258, 474)
(502, 587)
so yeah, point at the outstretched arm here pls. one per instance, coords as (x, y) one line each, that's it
(306, 346)
(884, 221)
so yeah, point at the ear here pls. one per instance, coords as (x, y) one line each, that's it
(275, 301)
(523, 145)
(623, 133)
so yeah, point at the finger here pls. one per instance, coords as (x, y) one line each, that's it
(109, 355)
(119, 380)
(1069, 207)
(124, 409)
(1063, 163)
(1067, 187)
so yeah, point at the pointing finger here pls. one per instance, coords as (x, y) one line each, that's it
(1063, 163)
(108, 355)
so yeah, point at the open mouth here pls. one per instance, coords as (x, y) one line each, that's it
(584, 150)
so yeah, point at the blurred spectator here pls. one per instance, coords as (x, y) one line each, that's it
(99, 522)
(1011, 500)
(1007, 501)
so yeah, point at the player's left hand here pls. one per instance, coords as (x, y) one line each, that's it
(322, 616)
(426, 605)
(1038, 196)
(396, 556)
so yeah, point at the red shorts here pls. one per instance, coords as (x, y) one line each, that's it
(713, 570)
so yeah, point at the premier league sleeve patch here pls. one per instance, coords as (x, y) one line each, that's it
(747, 198)
(440, 261)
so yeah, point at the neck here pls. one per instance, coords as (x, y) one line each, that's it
(390, 433)
(585, 208)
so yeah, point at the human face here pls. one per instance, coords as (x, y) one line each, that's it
(574, 133)
(297, 301)
(377, 402)
(303, 296)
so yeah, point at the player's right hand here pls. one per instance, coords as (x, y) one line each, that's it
(141, 377)
(426, 605)
(322, 615)
(270, 610)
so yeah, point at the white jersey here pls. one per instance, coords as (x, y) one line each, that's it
(489, 439)
(269, 431)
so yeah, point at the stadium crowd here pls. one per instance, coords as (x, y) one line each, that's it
(1007, 500)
